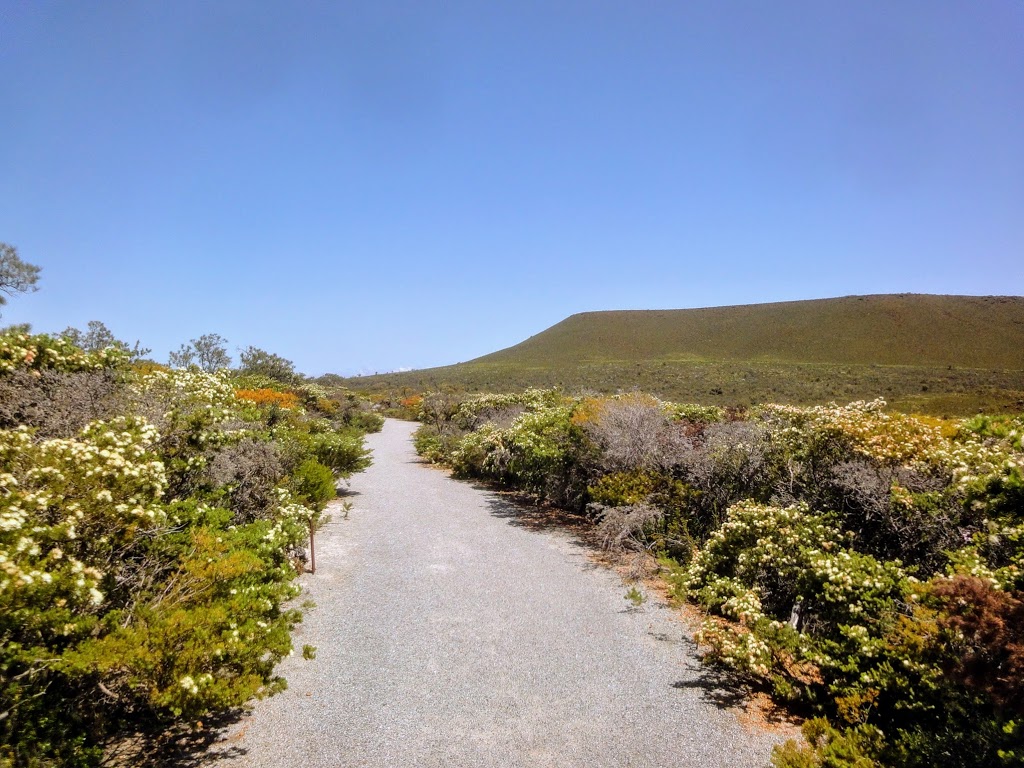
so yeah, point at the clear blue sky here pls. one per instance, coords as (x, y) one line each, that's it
(369, 186)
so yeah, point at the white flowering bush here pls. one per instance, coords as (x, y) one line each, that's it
(140, 584)
(539, 453)
(478, 409)
(865, 428)
(865, 563)
(110, 592)
(21, 351)
(762, 546)
(808, 615)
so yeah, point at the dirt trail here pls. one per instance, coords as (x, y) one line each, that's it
(448, 635)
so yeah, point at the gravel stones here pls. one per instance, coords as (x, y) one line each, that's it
(447, 635)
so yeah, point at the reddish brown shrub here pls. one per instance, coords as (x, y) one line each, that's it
(985, 629)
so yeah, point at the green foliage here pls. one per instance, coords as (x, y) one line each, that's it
(437, 448)
(828, 747)
(538, 453)
(313, 483)
(862, 564)
(364, 420)
(209, 352)
(1001, 494)
(146, 559)
(258, 362)
(635, 597)
(343, 451)
(700, 414)
(1004, 428)
(620, 489)
(16, 276)
(670, 533)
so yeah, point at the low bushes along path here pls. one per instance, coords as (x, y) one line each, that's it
(448, 635)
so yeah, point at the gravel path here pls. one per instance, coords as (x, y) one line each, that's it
(449, 636)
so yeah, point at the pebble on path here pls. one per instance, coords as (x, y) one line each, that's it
(447, 635)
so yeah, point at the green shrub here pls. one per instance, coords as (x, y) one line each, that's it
(344, 452)
(541, 453)
(694, 413)
(620, 489)
(824, 541)
(146, 558)
(314, 483)
(828, 747)
(364, 420)
(118, 608)
(668, 534)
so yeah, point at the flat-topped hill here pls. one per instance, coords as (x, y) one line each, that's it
(902, 329)
(946, 355)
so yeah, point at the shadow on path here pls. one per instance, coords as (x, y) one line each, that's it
(715, 685)
(522, 511)
(182, 747)
(717, 688)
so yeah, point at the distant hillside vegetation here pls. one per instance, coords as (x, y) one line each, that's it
(945, 355)
(903, 329)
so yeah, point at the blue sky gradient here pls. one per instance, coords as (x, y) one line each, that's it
(371, 186)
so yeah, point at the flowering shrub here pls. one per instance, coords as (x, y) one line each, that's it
(784, 576)
(146, 560)
(866, 428)
(538, 453)
(692, 412)
(478, 409)
(287, 400)
(823, 542)
(20, 351)
(114, 598)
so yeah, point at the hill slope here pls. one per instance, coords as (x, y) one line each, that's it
(905, 329)
(946, 355)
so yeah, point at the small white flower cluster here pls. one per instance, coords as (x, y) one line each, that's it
(43, 352)
(531, 399)
(792, 552)
(52, 492)
(190, 391)
(737, 647)
(192, 685)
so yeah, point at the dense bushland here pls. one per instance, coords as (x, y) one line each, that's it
(152, 523)
(941, 355)
(865, 566)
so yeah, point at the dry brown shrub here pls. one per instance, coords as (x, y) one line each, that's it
(985, 629)
(249, 470)
(622, 528)
(636, 433)
(59, 404)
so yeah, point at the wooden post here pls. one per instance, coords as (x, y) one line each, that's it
(312, 548)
